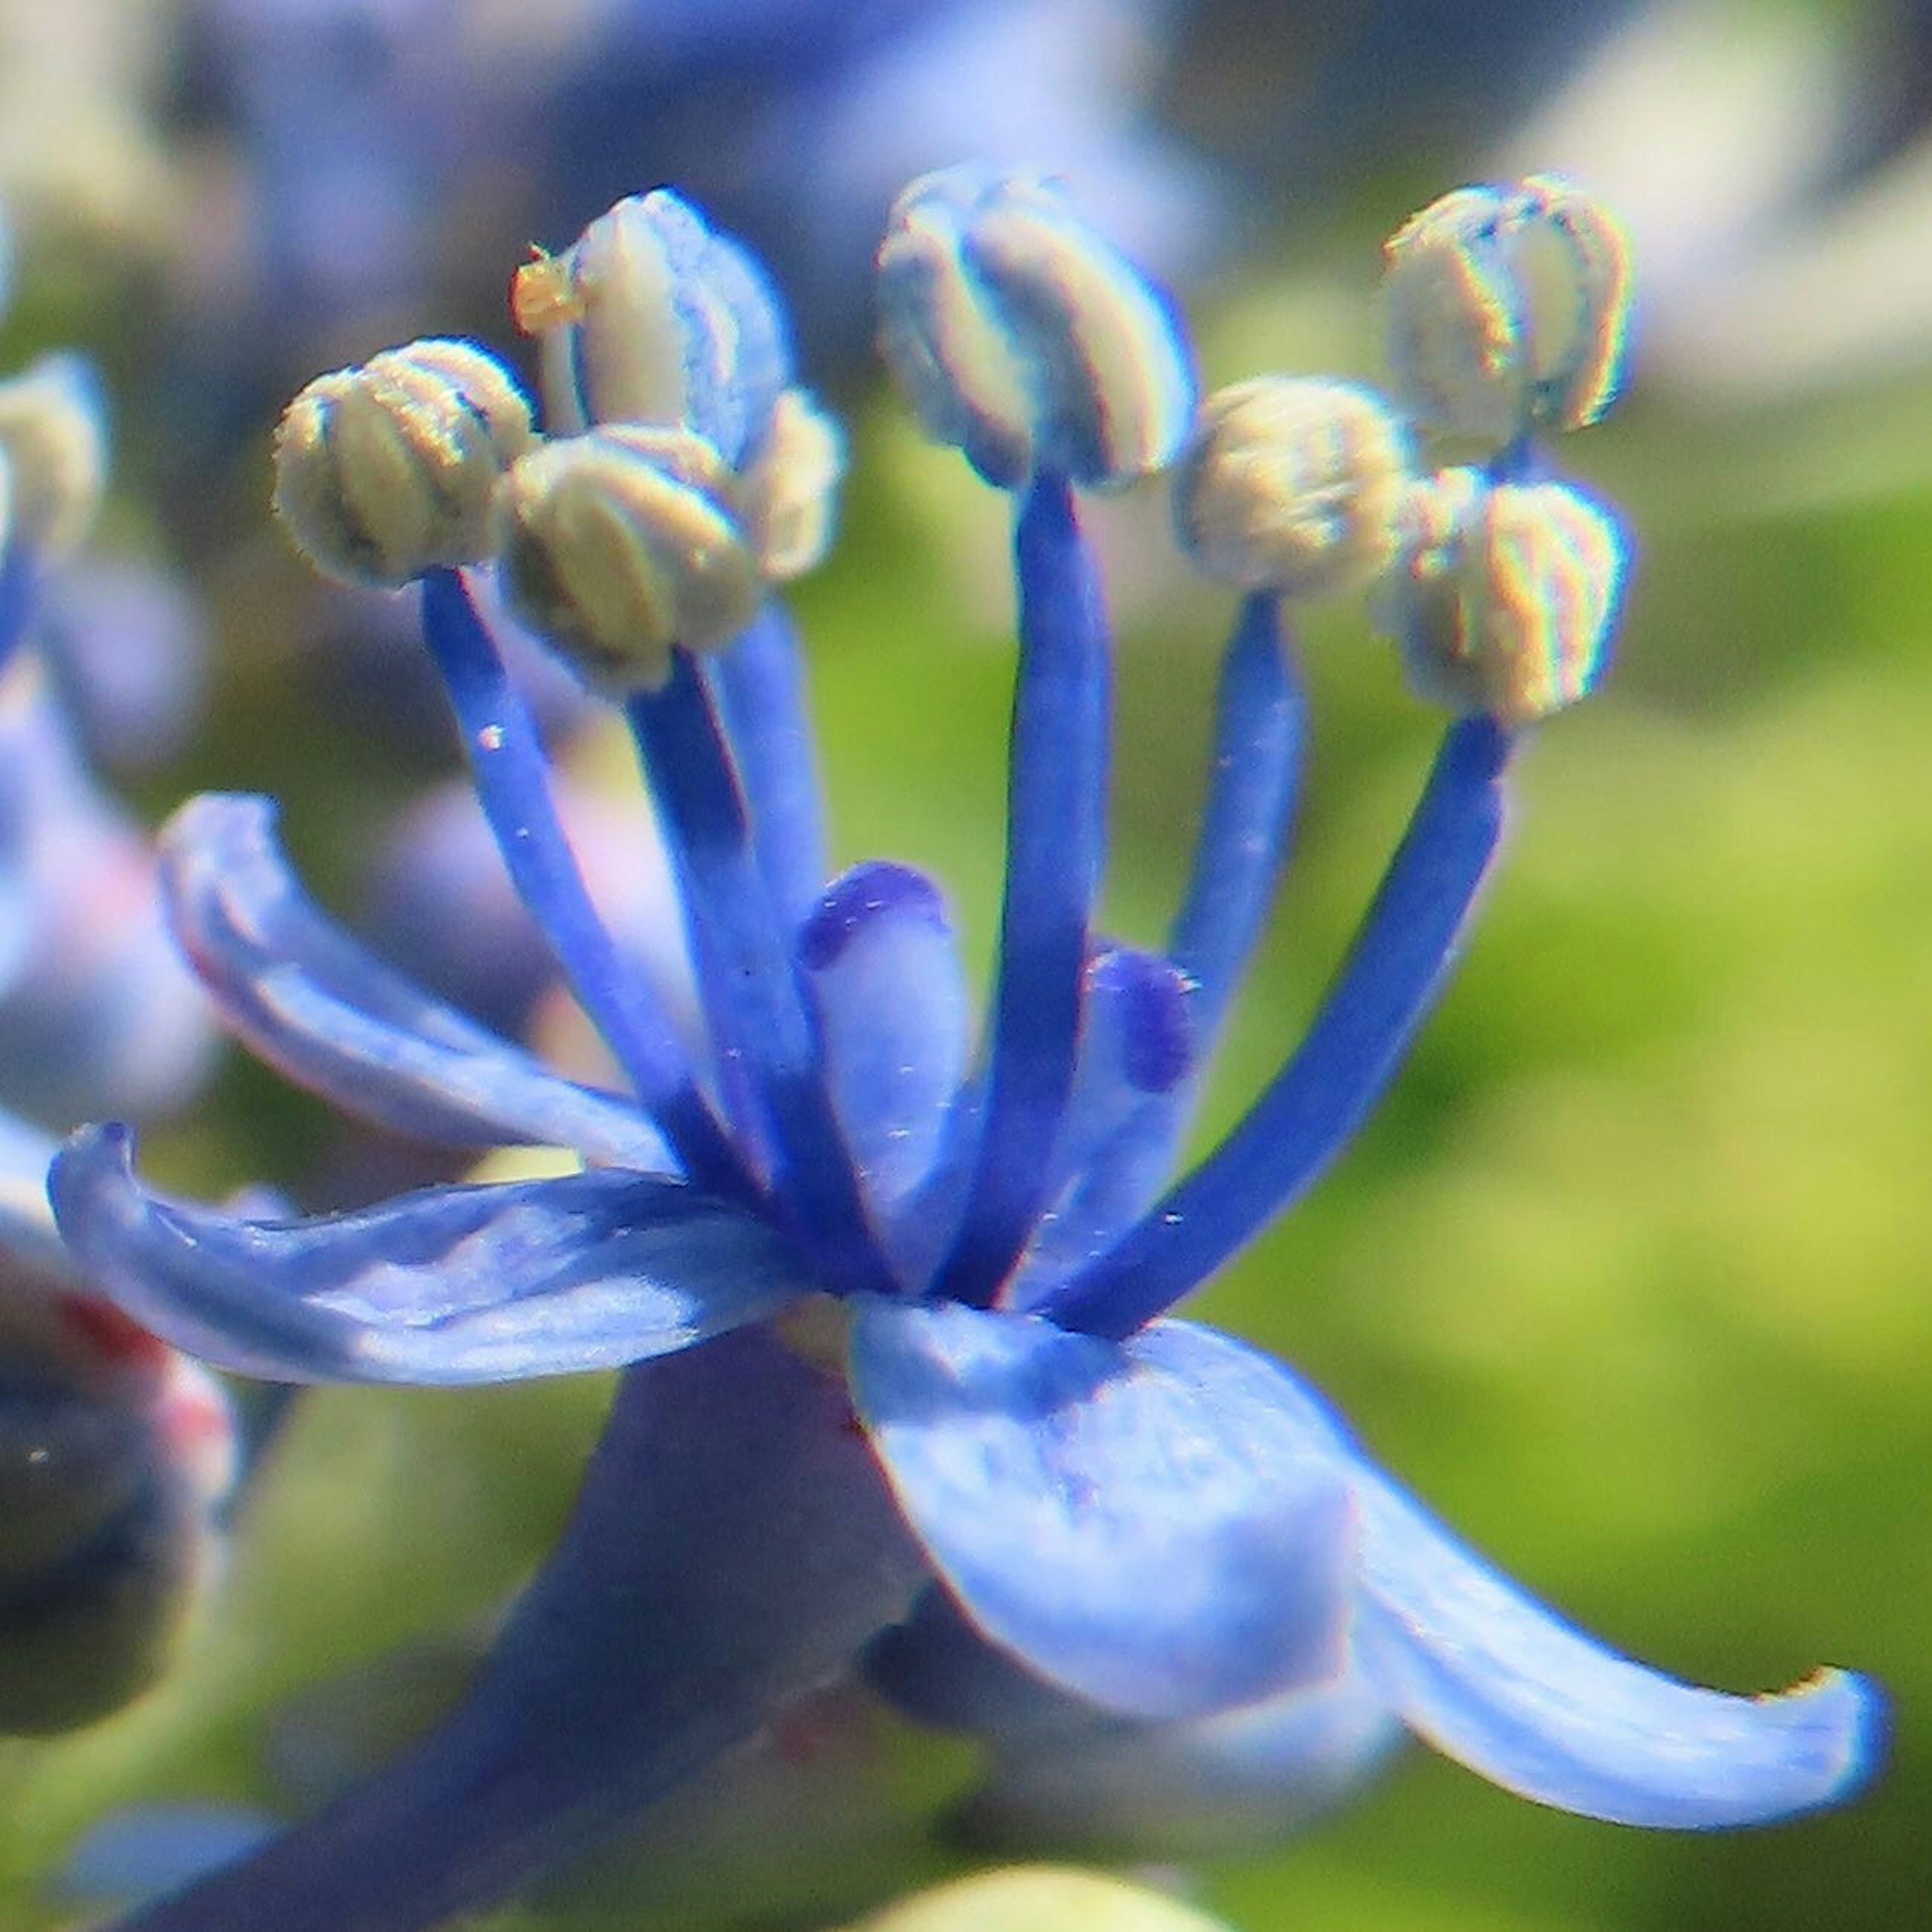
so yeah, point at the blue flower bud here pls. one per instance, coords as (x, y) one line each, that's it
(1507, 309)
(1024, 338)
(114, 1452)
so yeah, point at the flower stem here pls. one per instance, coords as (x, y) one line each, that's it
(734, 1545)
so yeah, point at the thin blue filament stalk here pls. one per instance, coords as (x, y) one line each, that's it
(1259, 719)
(1056, 841)
(760, 686)
(1260, 713)
(506, 758)
(1402, 953)
(747, 975)
(733, 1546)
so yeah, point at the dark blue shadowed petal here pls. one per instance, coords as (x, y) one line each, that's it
(1241, 1780)
(1066, 1777)
(1500, 1683)
(309, 1000)
(890, 998)
(1161, 1526)
(452, 1285)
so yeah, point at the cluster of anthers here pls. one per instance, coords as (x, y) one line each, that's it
(1057, 1499)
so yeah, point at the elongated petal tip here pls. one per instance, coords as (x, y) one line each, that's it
(1024, 338)
(443, 1288)
(1502, 1684)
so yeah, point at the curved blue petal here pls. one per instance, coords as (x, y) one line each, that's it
(1240, 1780)
(308, 999)
(452, 1284)
(1161, 1525)
(1500, 1683)
(890, 998)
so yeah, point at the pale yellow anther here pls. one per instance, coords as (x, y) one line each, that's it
(388, 469)
(620, 543)
(789, 489)
(1293, 485)
(1505, 603)
(53, 442)
(1506, 309)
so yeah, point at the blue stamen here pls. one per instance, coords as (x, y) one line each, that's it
(507, 759)
(756, 1010)
(1402, 950)
(1260, 714)
(760, 687)
(1056, 838)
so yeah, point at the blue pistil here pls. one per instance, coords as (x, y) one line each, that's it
(1406, 946)
(1055, 843)
(748, 976)
(510, 771)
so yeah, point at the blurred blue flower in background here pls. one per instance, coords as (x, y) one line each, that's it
(894, 1314)
(116, 1453)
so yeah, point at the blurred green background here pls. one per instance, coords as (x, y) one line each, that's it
(1631, 1277)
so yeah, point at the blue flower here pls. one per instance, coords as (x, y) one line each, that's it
(843, 1211)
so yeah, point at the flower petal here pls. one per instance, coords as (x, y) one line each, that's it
(891, 1002)
(1502, 1684)
(1240, 1780)
(1160, 1526)
(452, 1284)
(306, 996)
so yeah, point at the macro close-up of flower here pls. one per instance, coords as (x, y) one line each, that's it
(901, 1375)
(1075, 1059)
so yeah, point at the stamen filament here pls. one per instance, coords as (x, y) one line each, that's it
(1259, 718)
(1402, 950)
(1056, 841)
(507, 760)
(759, 688)
(748, 976)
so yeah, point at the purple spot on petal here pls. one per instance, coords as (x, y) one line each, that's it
(1156, 1029)
(879, 889)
